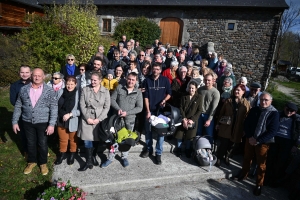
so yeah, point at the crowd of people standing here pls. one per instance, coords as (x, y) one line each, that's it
(131, 82)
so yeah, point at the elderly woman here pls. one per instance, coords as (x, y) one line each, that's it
(227, 73)
(67, 123)
(220, 69)
(172, 72)
(243, 80)
(231, 121)
(70, 68)
(94, 106)
(190, 109)
(227, 87)
(213, 61)
(57, 83)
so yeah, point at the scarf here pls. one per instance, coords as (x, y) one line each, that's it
(66, 103)
(57, 86)
(227, 92)
(70, 69)
(261, 125)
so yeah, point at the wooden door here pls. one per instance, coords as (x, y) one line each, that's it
(171, 31)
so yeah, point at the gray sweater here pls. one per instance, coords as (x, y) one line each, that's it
(132, 103)
(45, 110)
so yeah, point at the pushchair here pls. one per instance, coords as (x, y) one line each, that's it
(113, 133)
(168, 128)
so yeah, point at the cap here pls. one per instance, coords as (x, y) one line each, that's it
(255, 85)
(110, 71)
(292, 106)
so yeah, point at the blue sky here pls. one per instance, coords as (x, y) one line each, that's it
(295, 3)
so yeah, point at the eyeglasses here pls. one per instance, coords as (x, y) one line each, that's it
(289, 110)
(55, 78)
(81, 69)
(142, 55)
(70, 59)
(265, 100)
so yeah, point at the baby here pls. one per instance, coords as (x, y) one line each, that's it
(196, 77)
(109, 82)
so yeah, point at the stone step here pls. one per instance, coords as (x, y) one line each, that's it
(141, 173)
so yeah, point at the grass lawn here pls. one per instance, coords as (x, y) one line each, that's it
(14, 184)
(295, 85)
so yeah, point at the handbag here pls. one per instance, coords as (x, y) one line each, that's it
(225, 120)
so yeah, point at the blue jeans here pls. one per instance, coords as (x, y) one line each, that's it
(149, 142)
(209, 130)
(90, 144)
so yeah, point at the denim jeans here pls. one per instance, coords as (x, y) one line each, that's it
(36, 137)
(90, 144)
(209, 130)
(149, 141)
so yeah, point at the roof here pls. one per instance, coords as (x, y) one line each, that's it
(284, 62)
(32, 3)
(203, 3)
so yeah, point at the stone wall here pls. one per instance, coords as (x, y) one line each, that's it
(249, 48)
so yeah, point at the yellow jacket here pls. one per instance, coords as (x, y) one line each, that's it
(111, 85)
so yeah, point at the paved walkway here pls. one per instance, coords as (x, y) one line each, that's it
(288, 91)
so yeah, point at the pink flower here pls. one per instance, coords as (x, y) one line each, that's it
(63, 184)
(58, 185)
(79, 198)
(77, 189)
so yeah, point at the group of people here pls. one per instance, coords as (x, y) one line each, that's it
(133, 82)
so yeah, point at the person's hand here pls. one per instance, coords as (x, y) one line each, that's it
(217, 127)
(119, 112)
(190, 121)
(185, 123)
(207, 123)
(148, 115)
(96, 121)
(123, 114)
(142, 89)
(50, 130)
(163, 103)
(294, 149)
(66, 117)
(252, 141)
(16, 128)
(90, 121)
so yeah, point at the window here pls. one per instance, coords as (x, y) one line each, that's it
(29, 16)
(231, 26)
(106, 25)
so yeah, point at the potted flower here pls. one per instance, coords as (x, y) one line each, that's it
(62, 190)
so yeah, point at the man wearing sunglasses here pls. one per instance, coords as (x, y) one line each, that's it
(255, 91)
(286, 141)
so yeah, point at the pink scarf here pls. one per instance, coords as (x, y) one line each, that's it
(57, 86)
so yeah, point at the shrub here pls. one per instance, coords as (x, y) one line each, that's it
(140, 29)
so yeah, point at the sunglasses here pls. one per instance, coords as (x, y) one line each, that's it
(54, 78)
(70, 59)
(289, 110)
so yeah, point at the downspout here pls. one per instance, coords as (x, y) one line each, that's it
(270, 67)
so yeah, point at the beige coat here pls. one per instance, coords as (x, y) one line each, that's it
(95, 106)
(234, 131)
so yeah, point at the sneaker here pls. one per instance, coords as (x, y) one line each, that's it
(29, 168)
(125, 162)
(44, 169)
(106, 163)
(158, 159)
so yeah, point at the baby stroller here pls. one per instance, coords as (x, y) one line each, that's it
(168, 128)
(112, 131)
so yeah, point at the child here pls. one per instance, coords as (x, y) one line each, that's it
(109, 82)
(196, 77)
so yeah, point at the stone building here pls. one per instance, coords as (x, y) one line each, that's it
(244, 31)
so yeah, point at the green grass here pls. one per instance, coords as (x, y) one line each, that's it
(14, 184)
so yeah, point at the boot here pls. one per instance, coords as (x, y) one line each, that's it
(60, 158)
(94, 160)
(88, 163)
(71, 158)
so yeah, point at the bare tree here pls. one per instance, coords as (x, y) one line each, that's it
(289, 19)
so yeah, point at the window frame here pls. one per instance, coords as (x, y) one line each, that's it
(228, 22)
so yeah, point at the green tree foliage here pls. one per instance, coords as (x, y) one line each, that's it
(140, 29)
(290, 48)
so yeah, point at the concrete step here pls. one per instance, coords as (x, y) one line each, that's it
(141, 173)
